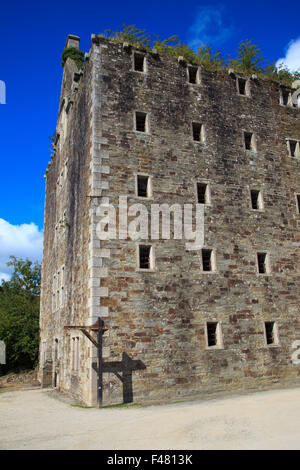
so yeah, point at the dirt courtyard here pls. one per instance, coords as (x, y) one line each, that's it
(37, 419)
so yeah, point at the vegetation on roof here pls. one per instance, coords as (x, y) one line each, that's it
(75, 54)
(248, 59)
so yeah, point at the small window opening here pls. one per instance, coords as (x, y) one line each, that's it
(270, 332)
(55, 349)
(141, 121)
(212, 333)
(298, 203)
(242, 86)
(143, 186)
(285, 96)
(192, 72)
(262, 263)
(202, 193)
(256, 199)
(139, 62)
(197, 131)
(293, 147)
(249, 141)
(145, 256)
(75, 353)
(206, 260)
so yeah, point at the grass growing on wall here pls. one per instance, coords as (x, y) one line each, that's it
(248, 58)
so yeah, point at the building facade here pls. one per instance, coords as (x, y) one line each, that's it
(180, 322)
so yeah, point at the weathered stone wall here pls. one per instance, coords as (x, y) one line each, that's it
(159, 317)
(66, 236)
(156, 339)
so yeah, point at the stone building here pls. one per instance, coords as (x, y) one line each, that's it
(179, 322)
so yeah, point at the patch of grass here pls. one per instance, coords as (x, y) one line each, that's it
(77, 405)
(119, 405)
(123, 405)
(11, 388)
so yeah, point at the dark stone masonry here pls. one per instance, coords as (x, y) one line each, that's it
(192, 322)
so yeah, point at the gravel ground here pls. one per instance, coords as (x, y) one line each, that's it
(37, 419)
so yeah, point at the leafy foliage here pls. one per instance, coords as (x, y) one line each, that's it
(134, 36)
(248, 60)
(53, 141)
(209, 60)
(19, 315)
(281, 74)
(167, 46)
(173, 47)
(75, 54)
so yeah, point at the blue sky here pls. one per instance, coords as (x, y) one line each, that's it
(32, 37)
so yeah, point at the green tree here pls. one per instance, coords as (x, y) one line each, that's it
(249, 58)
(209, 60)
(19, 315)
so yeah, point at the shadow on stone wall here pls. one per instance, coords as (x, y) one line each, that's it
(123, 370)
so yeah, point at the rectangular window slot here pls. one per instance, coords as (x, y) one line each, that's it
(242, 86)
(298, 203)
(206, 260)
(285, 97)
(141, 121)
(212, 333)
(293, 144)
(139, 62)
(193, 74)
(197, 131)
(55, 349)
(75, 354)
(202, 193)
(249, 141)
(271, 337)
(262, 263)
(143, 186)
(145, 256)
(256, 199)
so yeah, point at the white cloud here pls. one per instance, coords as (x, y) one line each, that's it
(208, 27)
(292, 56)
(4, 276)
(22, 241)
